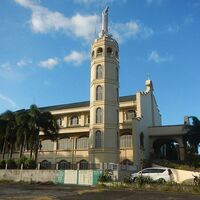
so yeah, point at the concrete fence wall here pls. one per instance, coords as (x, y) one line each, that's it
(181, 175)
(82, 177)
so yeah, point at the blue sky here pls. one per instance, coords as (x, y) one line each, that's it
(45, 45)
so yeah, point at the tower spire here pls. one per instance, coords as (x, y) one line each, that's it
(104, 28)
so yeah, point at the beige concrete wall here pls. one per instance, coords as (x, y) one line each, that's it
(148, 115)
(181, 175)
(28, 175)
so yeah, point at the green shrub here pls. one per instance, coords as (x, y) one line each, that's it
(2, 164)
(11, 164)
(106, 176)
(22, 160)
(143, 180)
(29, 163)
(127, 179)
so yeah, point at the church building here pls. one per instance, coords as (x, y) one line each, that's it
(107, 128)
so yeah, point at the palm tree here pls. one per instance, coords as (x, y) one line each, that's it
(41, 122)
(10, 132)
(23, 130)
(3, 124)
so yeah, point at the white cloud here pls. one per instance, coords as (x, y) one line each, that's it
(173, 28)
(154, 2)
(8, 101)
(82, 26)
(94, 1)
(76, 57)
(132, 29)
(6, 66)
(43, 21)
(49, 63)
(22, 63)
(155, 57)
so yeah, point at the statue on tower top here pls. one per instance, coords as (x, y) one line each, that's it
(104, 29)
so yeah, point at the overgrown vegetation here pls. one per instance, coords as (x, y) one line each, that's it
(20, 131)
(28, 163)
(106, 176)
(147, 184)
(183, 165)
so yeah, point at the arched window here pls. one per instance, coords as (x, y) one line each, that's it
(130, 114)
(92, 54)
(141, 140)
(126, 141)
(64, 143)
(59, 122)
(74, 120)
(116, 54)
(45, 164)
(99, 95)
(82, 143)
(99, 51)
(99, 72)
(47, 145)
(83, 164)
(99, 115)
(98, 139)
(63, 164)
(127, 162)
(109, 51)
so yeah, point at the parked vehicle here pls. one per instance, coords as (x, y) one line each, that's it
(156, 173)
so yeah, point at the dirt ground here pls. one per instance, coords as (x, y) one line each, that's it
(22, 191)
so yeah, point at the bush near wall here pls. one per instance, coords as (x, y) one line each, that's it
(2, 164)
(11, 164)
(176, 165)
(28, 163)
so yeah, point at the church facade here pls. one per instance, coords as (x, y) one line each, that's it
(108, 128)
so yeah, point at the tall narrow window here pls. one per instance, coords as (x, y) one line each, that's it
(98, 115)
(74, 120)
(84, 164)
(98, 139)
(99, 72)
(82, 143)
(109, 51)
(99, 51)
(92, 54)
(126, 141)
(98, 92)
(142, 140)
(130, 114)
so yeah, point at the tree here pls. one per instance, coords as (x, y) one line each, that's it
(41, 122)
(24, 127)
(3, 124)
(192, 137)
(23, 130)
(9, 128)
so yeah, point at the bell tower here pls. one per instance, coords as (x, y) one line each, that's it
(104, 97)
